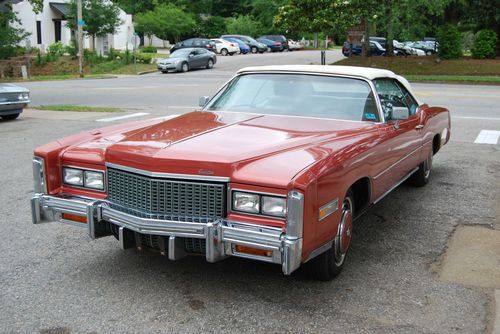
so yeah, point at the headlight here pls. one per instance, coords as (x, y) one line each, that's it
(73, 176)
(246, 202)
(274, 206)
(23, 96)
(94, 180)
(259, 204)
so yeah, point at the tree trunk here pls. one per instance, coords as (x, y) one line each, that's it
(389, 47)
(366, 42)
(92, 47)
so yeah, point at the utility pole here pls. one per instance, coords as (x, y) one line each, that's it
(80, 24)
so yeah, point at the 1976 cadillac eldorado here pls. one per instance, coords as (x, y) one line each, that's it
(275, 167)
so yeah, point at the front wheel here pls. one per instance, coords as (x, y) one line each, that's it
(421, 177)
(185, 67)
(329, 264)
(254, 49)
(210, 63)
(223, 52)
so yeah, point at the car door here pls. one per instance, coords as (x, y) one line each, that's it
(400, 137)
(198, 59)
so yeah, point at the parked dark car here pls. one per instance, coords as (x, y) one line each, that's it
(278, 38)
(244, 48)
(252, 43)
(380, 40)
(272, 45)
(185, 59)
(194, 43)
(375, 49)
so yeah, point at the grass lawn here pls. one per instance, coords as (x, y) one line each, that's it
(430, 69)
(67, 68)
(75, 108)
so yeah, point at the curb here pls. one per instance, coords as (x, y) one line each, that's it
(146, 72)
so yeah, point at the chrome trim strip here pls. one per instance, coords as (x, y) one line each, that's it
(397, 162)
(39, 176)
(295, 216)
(396, 185)
(330, 207)
(169, 175)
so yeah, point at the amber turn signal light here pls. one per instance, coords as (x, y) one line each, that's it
(74, 218)
(253, 251)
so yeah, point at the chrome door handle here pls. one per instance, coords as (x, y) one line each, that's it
(419, 127)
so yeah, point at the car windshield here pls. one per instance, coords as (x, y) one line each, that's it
(298, 95)
(180, 53)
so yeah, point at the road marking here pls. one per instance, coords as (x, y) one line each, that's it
(125, 88)
(487, 137)
(496, 325)
(181, 107)
(111, 119)
(479, 118)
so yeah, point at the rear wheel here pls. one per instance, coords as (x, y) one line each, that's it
(185, 67)
(210, 63)
(13, 116)
(223, 52)
(330, 263)
(421, 177)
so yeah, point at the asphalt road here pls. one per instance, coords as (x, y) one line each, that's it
(54, 279)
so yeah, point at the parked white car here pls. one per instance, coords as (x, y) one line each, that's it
(294, 45)
(224, 47)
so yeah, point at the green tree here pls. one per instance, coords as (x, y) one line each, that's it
(10, 36)
(450, 42)
(264, 11)
(213, 26)
(485, 45)
(166, 21)
(134, 7)
(244, 25)
(100, 18)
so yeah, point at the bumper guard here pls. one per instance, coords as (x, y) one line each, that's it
(221, 235)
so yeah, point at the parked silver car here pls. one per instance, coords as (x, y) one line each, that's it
(185, 59)
(12, 100)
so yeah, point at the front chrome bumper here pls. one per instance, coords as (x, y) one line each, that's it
(221, 235)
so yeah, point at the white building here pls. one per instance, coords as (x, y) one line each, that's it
(49, 27)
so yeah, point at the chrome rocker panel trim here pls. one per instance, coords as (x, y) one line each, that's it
(221, 235)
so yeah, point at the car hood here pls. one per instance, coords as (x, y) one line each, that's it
(249, 148)
(10, 88)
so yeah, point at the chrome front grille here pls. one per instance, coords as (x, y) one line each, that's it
(168, 199)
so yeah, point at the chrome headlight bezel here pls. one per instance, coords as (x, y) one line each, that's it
(87, 180)
(259, 201)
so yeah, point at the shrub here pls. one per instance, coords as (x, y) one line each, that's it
(485, 45)
(149, 49)
(143, 58)
(450, 42)
(54, 51)
(71, 49)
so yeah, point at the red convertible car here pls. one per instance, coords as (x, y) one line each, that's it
(275, 167)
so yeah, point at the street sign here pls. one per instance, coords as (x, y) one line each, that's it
(356, 33)
(81, 22)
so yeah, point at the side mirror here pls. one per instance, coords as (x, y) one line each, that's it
(203, 101)
(191, 55)
(400, 113)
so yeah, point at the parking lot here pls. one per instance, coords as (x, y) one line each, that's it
(56, 280)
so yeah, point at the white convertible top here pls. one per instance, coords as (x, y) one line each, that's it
(351, 71)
